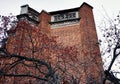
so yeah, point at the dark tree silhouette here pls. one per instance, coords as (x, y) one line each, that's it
(27, 55)
(111, 48)
(27, 47)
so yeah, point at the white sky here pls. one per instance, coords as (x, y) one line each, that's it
(13, 6)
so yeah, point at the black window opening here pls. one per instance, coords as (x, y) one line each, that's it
(65, 16)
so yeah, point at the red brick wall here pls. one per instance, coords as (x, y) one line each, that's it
(44, 19)
(83, 35)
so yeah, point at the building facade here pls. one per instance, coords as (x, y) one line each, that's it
(76, 27)
(72, 27)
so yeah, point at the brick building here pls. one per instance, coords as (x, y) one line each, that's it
(73, 27)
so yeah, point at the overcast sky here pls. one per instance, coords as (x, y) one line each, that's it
(13, 6)
(112, 7)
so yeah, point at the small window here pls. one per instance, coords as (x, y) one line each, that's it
(64, 19)
(65, 16)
